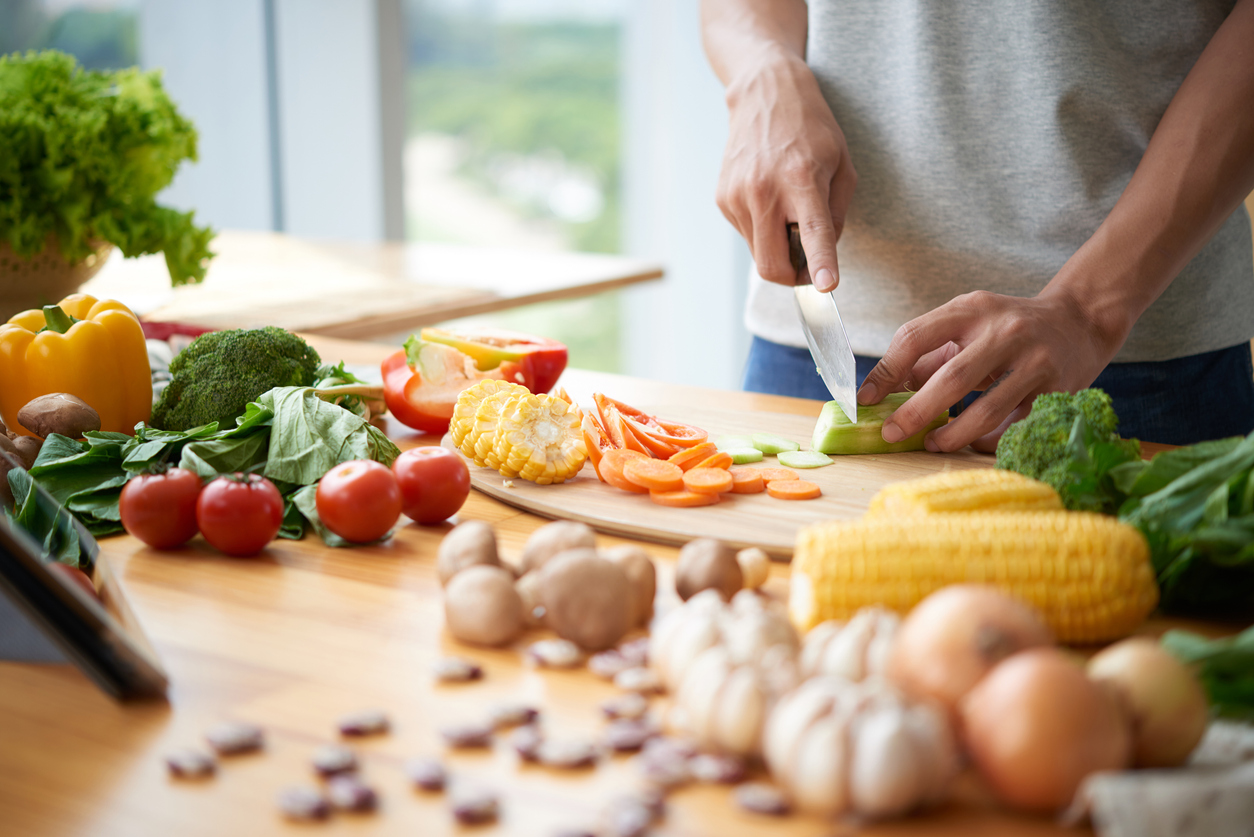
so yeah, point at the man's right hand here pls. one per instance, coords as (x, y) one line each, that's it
(786, 158)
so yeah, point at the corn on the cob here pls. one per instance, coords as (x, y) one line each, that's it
(975, 489)
(539, 439)
(468, 402)
(488, 425)
(1088, 574)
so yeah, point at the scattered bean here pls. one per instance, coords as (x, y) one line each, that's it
(630, 705)
(233, 737)
(427, 773)
(467, 736)
(717, 769)
(508, 715)
(303, 803)
(609, 663)
(628, 735)
(367, 722)
(665, 762)
(472, 805)
(349, 793)
(526, 742)
(637, 650)
(555, 653)
(190, 764)
(456, 670)
(761, 798)
(567, 754)
(626, 817)
(639, 679)
(332, 759)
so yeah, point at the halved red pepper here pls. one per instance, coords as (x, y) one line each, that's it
(427, 404)
(540, 361)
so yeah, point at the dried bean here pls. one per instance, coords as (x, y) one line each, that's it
(466, 736)
(367, 722)
(628, 735)
(233, 737)
(526, 742)
(427, 773)
(639, 679)
(471, 805)
(630, 705)
(348, 793)
(665, 762)
(456, 670)
(609, 663)
(761, 798)
(508, 715)
(717, 769)
(637, 651)
(190, 764)
(566, 754)
(303, 803)
(332, 759)
(626, 817)
(554, 653)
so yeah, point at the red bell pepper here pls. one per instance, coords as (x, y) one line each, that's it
(539, 360)
(426, 403)
(630, 428)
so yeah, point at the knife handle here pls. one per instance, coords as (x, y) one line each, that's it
(797, 255)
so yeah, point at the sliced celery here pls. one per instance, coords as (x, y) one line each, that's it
(730, 443)
(770, 444)
(833, 433)
(743, 456)
(803, 459)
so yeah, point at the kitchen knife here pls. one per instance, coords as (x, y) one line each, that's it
(825, 333)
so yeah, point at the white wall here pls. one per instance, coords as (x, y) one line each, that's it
(688, 328)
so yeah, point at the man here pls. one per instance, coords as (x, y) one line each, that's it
(1041, 188)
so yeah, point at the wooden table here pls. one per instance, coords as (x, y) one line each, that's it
(358, 290)
(303, 634)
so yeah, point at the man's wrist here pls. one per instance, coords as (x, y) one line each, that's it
(771, 61)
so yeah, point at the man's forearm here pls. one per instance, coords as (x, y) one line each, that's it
(739, 34)
(1197, 169)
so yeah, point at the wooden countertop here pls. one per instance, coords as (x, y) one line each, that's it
(302, 634)
(357, 291)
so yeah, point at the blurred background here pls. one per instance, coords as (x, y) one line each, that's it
(587, 125)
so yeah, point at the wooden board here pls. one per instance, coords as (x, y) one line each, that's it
(741, 519)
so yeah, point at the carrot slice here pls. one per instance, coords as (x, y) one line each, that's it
(777, 474)
(654, 474)
(793, 489)
(694, 456)
(682, 499)
(708, 481)
(747, 481)
(612, 463)
(721, 459)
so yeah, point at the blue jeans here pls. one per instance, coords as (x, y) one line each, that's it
(1175, 402)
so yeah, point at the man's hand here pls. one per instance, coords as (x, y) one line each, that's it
(1011, 348)
(786, 158)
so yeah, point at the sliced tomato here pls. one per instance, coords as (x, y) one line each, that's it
(641, 431)
(426, 403)
(539, 361)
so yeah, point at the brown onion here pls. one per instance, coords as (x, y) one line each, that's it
(1036, 726)
(1164, 700)
(953, 637)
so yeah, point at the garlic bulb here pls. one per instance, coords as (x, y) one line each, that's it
(726, 664)
(853, 650)
(863, 748)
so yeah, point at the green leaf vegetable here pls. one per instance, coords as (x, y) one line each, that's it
(1225, 667)
(83, 155)
(1071, 442)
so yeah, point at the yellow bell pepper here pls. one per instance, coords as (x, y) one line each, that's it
(99, 355)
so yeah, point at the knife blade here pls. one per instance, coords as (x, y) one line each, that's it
(825, 332)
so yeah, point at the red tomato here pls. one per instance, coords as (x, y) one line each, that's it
(239, 514)
(75, 577)
(359, 500)
(434, 482)
(160, 509)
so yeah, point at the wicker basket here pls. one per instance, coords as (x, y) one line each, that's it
(44, 278)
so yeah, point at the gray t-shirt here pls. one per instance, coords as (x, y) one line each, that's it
(990, 140)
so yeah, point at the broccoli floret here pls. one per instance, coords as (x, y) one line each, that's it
(215, 377)
(1037, 446)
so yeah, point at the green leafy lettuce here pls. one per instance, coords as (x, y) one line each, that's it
(83, 155)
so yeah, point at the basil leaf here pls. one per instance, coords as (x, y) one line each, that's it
(210, 458)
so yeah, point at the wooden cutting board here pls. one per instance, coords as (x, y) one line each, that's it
(741, 519)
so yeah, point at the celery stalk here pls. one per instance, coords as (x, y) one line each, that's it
(833, 433)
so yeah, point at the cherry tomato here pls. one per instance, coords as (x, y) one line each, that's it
(160, 509)
(434, 482)
(359, 500)
(239, 514)
(75, 577)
